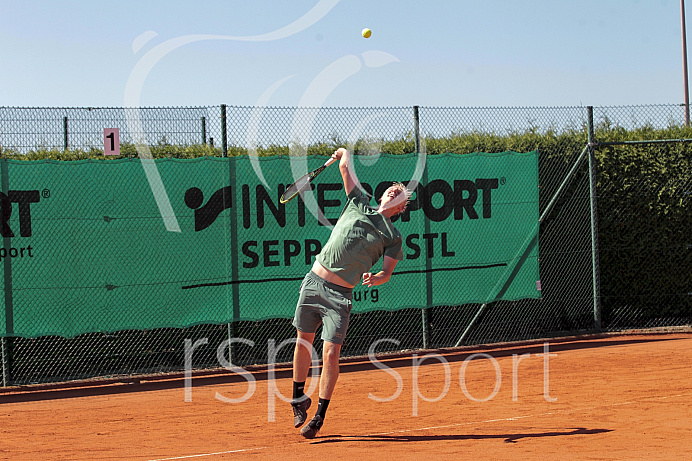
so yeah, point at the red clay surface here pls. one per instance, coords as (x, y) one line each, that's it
(616, 397)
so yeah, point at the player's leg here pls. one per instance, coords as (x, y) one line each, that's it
(330, 369)
(302, 356)
(330, 374)
(302, 360)
(334, 326)
(307, 319)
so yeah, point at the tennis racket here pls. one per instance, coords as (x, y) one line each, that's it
(303, 182)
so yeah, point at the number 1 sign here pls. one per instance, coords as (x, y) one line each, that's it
(111, 141)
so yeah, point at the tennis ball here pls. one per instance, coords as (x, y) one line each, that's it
(366, 33)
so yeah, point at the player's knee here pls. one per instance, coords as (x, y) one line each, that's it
(304, 341)
(331, 352)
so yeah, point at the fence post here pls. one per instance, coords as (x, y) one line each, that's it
(595, 270)
(7, 357)
(64, 130)
(686, 92)
(2, 357)
(224, 136)
(416, 128)
(425, 320)
(235, 273)
(204, 131)
(7, 341)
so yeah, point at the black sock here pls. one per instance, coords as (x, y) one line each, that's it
(322, 407)
(298, 390)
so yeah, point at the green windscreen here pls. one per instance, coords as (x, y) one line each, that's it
(97, 246)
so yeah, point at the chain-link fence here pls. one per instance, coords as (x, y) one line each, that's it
(24, 130)
(630, 268)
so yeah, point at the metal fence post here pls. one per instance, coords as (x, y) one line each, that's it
(416, 128)
(594, 224)
(64, 130)
(686, 93)
(4, 361)
(204, 131)
(7, 356)
(235, 273)
(224, 138)
(425, 320)
(7, 341)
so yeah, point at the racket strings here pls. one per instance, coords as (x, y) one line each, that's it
(295, 188)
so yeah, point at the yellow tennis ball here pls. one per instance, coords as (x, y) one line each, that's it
(366, 33)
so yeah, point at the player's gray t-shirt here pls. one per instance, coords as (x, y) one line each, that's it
(359, 239)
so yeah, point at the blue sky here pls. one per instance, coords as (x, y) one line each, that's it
(446, 53)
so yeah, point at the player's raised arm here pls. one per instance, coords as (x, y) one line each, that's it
(346, 169)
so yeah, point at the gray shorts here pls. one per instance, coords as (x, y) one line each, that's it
(323, 303)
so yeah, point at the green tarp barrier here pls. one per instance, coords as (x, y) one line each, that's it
(86, 247)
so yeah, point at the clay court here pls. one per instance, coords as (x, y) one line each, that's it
(625, 396)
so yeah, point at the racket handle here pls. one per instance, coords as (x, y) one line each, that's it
(330, 161)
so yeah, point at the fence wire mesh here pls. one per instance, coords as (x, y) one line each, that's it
(643, 195)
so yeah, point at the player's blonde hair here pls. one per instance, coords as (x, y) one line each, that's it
(407, 192)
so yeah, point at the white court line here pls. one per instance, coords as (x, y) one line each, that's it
(447, 426)
(245, 450)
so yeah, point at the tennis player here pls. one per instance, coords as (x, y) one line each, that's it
(361, 236)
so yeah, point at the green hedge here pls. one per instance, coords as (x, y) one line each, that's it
(645, 223)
